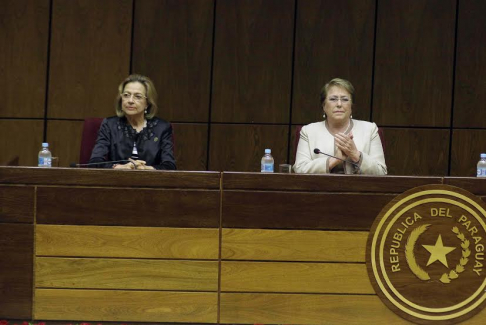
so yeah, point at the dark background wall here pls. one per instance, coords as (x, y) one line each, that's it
(237, 76)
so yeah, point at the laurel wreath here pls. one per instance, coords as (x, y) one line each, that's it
(454, 274)
(410, 256)
(421, 273)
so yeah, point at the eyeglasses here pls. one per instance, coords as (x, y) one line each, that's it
(343, 100)
(136, 97)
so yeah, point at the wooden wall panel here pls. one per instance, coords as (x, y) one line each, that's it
(414, 63)
(469, 94)
(64, 139)
(126, 306)
(252, 61)
(466, 147)
(343, 278)
(417, 151)
(324, 52)
(23, 59)
(90, 56)
(172, 44)
(241, 147)
(126, 274)
(21, 139)
(156, 208)
(243, 209)
(16, 271)
(253, 308)
(294, 245)
(16, 204)
(190, 146)
(127, 242)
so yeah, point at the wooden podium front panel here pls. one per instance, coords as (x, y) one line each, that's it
(293, 247)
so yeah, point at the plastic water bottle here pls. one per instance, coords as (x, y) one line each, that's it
(482, 166)
(267, 162)
(45, 156)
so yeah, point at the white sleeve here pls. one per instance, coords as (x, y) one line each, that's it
(304, 162)
(373, 162)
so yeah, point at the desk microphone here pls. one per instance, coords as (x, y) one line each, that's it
(317, 151)
(74, 165)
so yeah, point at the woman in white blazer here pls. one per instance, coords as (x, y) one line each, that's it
(356, 142)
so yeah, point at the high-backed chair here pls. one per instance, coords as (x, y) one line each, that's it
(88, 139)
(297, 138)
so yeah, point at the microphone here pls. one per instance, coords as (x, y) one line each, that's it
(74, 165)
(317, 151)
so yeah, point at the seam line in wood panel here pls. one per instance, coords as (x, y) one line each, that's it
(34, 248)
(210, 101)
(130, 64)
(292, 73)
(373, 62)
(122, 290)
(220, 253)
(48, 67)
(454, 62)
(301, 293)
(127, 258)
(362, 262)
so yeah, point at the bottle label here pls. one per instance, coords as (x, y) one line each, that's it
(44, 162)
(267, 168)
(481, 172)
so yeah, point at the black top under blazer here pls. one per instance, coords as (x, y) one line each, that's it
(116, 138)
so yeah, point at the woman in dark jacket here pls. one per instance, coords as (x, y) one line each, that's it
(135, 133)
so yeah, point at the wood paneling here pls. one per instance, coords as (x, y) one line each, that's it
(16, 204)
(96, 273)
(316, 210)
(90, 56)
(295, 277)
(22, 139)
(23, 59)
(469, 95)
(305, 309)
(172, 44)
(241, 147)
(64, 139)
(295, 245)
(125, 306)
(324, 52)
(191, 146)
(252, 61)
(414, 63)
(417, 151)
(110, 177)
(16, 270)
(156, 208)
(467, 145)
(324, 183)
(126, 242)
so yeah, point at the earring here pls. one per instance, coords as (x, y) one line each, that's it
(145, 110)
(351, 116)
(324, 116)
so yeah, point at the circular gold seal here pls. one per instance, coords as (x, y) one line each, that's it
(425, 254)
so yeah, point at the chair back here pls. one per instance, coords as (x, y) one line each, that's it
(88, 139)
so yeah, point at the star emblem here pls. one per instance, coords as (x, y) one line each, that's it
(438, 252)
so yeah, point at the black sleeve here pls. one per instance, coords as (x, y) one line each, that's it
(166, 160)
(102, 146)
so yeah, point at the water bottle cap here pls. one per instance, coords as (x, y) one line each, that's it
(45, 144)
(483, 155)
(268, 150)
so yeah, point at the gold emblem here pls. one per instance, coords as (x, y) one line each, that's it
(425, 254)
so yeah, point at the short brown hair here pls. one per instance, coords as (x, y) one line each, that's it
(151, 94)
(338, 82)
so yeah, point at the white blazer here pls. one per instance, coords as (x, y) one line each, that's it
(316, 135)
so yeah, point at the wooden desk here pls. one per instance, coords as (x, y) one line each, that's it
(193, 247)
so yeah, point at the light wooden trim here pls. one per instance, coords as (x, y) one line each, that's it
(126, 306)
(295, 277)
(142, 274)
(294, 245)
(127, 242)
(245, 308)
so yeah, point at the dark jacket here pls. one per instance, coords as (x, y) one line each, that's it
(116, 137)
